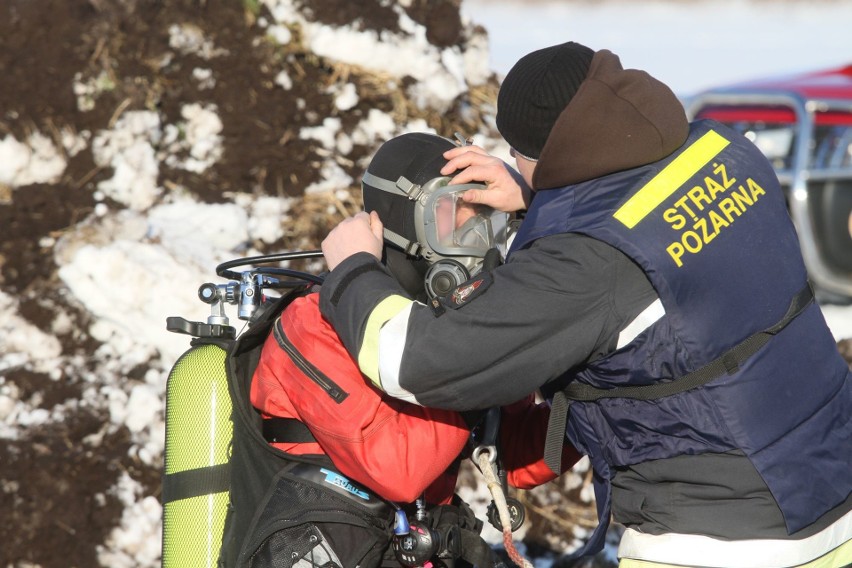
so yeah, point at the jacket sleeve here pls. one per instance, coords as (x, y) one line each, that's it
(550, 308)
(523, 428)
(396, 449)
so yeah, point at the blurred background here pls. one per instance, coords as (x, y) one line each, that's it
(143, 142)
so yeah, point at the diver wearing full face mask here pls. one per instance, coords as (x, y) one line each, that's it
(363, 440)
(426, 218)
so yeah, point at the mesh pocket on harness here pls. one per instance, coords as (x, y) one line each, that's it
(302, 546)
(303, 525)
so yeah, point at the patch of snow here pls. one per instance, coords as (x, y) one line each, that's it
(88, 91)
(332, 178)
(440, 74)
(128, 148)
(325, 134)
(134, 312)
(346, 97)
(21, 343)
(35, 161)
(377, 126)
(138, 540)
(476, 58)
(204, 77)
(200, 234)
(199, 134)
(267, 216)
(280, 34)
(189, 39)
(283, 80)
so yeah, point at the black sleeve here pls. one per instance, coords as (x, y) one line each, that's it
(349, 294)
(550, 308)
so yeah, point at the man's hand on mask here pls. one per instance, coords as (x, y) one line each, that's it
(360, 233)
(506, 191)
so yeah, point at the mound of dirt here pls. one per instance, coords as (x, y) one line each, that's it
(76, 70)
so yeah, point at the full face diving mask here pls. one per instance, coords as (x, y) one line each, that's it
(452, 234)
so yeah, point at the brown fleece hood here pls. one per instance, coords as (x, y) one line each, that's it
(619, 119)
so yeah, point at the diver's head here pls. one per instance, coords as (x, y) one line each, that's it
(434, 240)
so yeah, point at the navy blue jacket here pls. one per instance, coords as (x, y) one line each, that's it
(709, 227)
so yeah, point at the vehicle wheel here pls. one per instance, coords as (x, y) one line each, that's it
(836, 230)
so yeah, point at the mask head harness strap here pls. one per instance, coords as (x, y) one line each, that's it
(402, 186)
(405, 188)
(411, 248)
(427, 224)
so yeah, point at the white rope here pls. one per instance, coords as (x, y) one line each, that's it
(488, 470)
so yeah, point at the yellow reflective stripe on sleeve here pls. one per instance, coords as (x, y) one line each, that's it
(392, 340)
(670, 179)
(368, 356)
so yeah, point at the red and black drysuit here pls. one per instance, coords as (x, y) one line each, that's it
(399, 450)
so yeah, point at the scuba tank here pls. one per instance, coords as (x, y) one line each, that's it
(199, 426)
(230, 499)
(198, 436)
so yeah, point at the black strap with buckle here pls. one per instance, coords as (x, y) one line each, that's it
(726, 364)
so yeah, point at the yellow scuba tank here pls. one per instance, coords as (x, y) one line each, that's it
(199, 431)
(198, 436)
(199, 423)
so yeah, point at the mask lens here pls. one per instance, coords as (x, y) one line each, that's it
(445, 218)
(475, 232)
(463, 225)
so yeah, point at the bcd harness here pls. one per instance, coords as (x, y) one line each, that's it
(452, 530)
(233, 498)
(302, 504)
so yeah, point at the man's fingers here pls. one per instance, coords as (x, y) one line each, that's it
(360, 233)
(464, 176)
(459, 150)
(459, 158)
(473, 196)
(376, 226)
(477, 174)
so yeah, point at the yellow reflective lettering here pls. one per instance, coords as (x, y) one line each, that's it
(714, 187)
(675, 251)
(723, 172)
(755, 189)
(742, 198)
(717, 221)
(681, 203)
(706, 236)
(676, 220)
(698, 197)
(695, 245)
(729, 208)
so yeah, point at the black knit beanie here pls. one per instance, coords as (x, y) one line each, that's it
(535, 92)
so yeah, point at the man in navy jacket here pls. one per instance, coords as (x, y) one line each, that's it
(656, 293)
